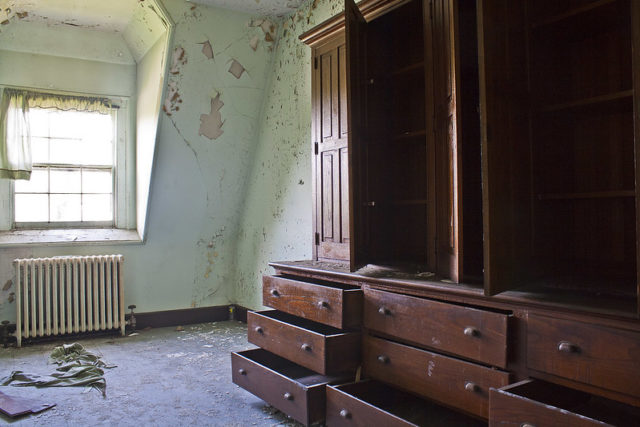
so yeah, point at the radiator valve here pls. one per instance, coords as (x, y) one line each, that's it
(132, 318)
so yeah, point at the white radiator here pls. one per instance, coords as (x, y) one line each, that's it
(65, 295)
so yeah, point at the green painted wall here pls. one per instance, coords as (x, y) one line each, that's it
(277, 216)
(198, 187)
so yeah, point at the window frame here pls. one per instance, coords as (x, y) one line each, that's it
(124, 202)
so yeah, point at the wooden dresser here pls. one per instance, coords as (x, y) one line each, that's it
(476, 216)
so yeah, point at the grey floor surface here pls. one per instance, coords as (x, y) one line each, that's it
(164, 377)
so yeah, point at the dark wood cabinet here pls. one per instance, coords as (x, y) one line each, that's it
(476, 211)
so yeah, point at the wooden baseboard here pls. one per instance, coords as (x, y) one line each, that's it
(240, 313)
(187, 316)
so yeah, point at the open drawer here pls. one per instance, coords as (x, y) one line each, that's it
(296, 391)
(536, 403)
(370, 403)
(332, 304)
(319, 347)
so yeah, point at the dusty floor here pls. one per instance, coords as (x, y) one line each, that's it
(163, 377)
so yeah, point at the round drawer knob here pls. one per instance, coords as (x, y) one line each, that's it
(527, 425)
(323, 304)
(259, 330)
(567, 347)
(345, 414)
(242, 371)
(305, 347)
(384, 311)
(471, 386)
(287, 396)
(471, 331)
(275, 292)
(383, 359)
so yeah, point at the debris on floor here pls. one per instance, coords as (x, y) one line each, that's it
(76, 367)
(16, 406)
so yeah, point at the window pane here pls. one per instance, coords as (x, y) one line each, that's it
(67, 151)
(65, 207)
(99, 153)
(31, 208)
(96, 181)
(97, 207)
(39, 182)
(39, 122)
(65, 181)
(39, 150)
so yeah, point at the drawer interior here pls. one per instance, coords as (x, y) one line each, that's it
(406, 406)
(577, 402)
(284, 367)
(300, 322)
(318, 282)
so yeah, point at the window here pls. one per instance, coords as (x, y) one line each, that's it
(74, 170)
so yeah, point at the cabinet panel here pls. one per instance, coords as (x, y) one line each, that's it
(331, 304)
(592, 354)
(536, 403)
(321, 348)
(331, 182)
(296, 391)
(459, 384)
(475, 334)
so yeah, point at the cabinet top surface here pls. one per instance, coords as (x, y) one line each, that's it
(423, 283)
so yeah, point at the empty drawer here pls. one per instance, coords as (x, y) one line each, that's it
(535, 403)
(592, 354)
(370, 403)
(321, 348)
(332, 304)
(453, 382)
(475, 334)
(296, 391)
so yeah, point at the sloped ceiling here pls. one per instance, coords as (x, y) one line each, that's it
(256, 7)
(101, 15)
(115, 31)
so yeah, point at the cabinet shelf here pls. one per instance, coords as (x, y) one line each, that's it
(409, 68)
(405, 202)
(587, 195)
(572, 13)
(410, 134)
(622, 98)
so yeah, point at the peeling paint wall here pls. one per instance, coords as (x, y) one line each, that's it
(277, 216)
(198, 186)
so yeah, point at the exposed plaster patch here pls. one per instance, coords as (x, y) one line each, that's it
(178, 59)
(253, 43)
(236, 69)
(207, 49)
(268, 28)
(173, 99)
(211, 124)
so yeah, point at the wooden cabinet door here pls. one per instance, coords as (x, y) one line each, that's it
(355, 29)
(331, 152)
(504, 129)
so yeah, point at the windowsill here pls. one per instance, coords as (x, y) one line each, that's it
(91, 236)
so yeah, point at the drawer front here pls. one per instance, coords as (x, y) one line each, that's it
(344, 409)
(591, 354)
(322, 353)
(471, 333)
(511, 409)
(304, 403)
(330, 305)
(454, 382)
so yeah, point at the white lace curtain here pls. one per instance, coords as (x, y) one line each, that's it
(15, 139)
